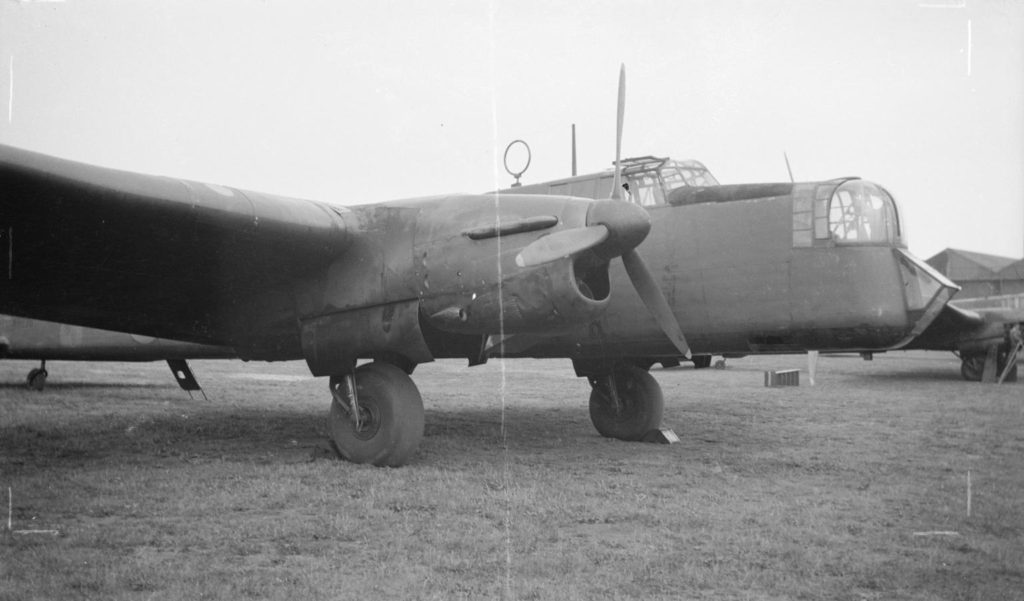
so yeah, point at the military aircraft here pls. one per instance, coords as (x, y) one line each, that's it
(608, 284)
(981, 338)
(22, 338)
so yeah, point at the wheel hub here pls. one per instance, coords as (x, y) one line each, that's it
(368, 424)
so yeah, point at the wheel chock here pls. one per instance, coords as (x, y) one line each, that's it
(785, 377)
(661, 436)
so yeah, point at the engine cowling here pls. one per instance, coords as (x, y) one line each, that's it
(470, 281)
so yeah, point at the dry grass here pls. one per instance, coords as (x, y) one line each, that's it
(788, 493)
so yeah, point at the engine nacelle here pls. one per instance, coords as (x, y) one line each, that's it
(470, 283)
(541, 299)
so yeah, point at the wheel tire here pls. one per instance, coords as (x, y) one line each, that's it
(972, 367)
(643, 405)
(36, 379)
(701, 361)
(393, 418)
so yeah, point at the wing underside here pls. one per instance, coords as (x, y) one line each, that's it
(151, 255)
(965, 330)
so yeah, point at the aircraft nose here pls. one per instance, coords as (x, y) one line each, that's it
(628, 224)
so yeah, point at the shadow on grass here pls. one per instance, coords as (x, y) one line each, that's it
(73, 385)
(925, 376)
(264, 435)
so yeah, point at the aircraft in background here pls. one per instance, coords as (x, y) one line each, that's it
(981, 338)
(607, 284)
(22, 338)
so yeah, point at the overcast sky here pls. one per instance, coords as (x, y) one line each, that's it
(353, 102)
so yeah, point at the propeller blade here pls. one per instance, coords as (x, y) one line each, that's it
(652, 296)
(561, 244)
(620, 114)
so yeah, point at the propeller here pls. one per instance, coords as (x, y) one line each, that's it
(636, 268)
(620, 113)
(613, 229)
(561, 244)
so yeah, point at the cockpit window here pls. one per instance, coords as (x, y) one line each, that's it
(686, 173)
(861, 212)
(650, 179)
(645, 189)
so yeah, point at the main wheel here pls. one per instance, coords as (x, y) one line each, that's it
(701, 361)
(641, 405)
(972, 367)
(36, 379)
(391, 411)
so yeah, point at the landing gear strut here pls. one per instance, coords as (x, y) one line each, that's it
(376, 415)
(36, 379)
(626, 404)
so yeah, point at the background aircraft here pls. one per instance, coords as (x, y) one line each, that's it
(22, 338)
(608, 284)
(980, 337)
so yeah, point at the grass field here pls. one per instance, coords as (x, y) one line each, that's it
(856, 488)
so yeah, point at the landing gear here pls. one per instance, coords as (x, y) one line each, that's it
(376, 415)
(36, 379)
(971, 367)
(626, 404)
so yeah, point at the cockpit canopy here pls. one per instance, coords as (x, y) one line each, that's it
(647, 181)
(650, 179)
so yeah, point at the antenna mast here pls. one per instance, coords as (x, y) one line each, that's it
(574, 149)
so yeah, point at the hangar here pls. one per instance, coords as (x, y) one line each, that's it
(987, 280)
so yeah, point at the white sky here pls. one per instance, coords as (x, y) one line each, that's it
(354, 102)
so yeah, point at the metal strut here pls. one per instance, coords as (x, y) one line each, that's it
(1017, 340)
(343, 389)
(610, 391)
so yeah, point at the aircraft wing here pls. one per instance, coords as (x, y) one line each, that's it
(159, 256)
(22, 338)
(964, 330)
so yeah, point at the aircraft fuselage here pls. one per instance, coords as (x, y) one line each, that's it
(738, 285)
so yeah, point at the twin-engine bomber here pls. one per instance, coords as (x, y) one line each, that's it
(611, 285)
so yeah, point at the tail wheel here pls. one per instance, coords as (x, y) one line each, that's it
(391, 418)
(627, 404)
